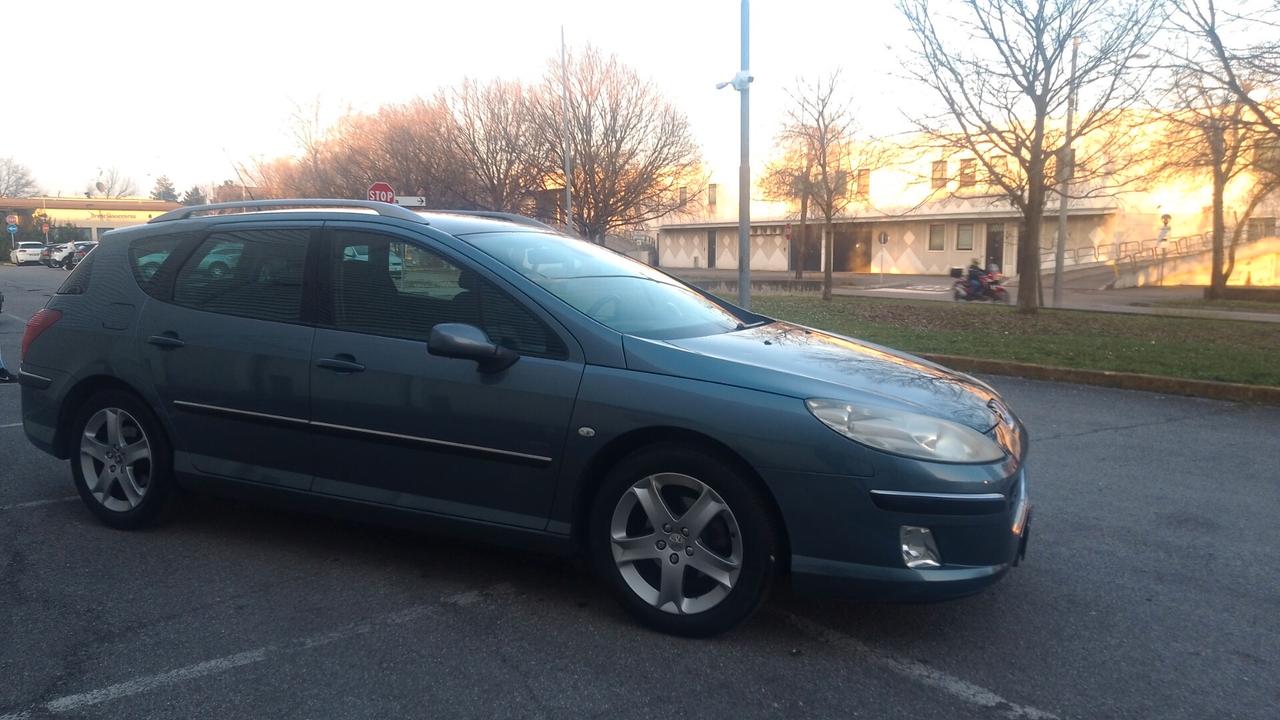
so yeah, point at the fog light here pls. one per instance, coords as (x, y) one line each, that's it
(918, 548)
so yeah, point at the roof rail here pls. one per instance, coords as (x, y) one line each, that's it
(383, 209)
(510, 217)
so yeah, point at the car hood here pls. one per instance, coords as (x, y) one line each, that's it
(802, 362)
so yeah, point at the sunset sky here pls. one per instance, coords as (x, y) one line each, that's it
(188, 89)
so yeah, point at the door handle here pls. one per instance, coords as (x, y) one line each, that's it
(166, 340)
(338, 364)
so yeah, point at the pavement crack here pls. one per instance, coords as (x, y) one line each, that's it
(1153, 423)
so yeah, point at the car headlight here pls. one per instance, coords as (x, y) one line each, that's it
(906, 433)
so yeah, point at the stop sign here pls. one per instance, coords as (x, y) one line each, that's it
(382, 192)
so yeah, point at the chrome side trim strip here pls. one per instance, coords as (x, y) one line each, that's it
(246, 413)
(363, 431)
(987, 497)
(431, 441)
(34, 376)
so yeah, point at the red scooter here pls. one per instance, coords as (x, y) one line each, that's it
(990, 288)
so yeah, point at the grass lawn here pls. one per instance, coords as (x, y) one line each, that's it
(1230, 351)
(1257, 306)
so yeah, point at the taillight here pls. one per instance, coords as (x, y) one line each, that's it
(41, 321)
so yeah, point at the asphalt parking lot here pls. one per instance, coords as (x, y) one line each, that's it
(1149, 590)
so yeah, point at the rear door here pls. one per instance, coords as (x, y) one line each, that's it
(229, 347)
(425, 432)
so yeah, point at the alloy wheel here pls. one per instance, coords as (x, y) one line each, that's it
(115, 458)
(676, 543)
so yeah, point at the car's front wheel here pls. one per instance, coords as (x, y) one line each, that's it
(684, 541)
(121, 460)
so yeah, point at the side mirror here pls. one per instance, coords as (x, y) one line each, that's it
(468, 342)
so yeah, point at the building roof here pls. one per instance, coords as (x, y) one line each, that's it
(82, 203)
(919, 216)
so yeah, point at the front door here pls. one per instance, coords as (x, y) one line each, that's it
(230, 353)
(995, 245)
(402, 427)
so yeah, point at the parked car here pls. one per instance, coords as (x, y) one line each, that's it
(82, 249)
(25, 252)
(395, 263)
(217, 263)
(60, 255)
(533, 390)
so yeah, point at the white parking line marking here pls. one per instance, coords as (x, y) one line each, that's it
(79, 701)
(38, 503)
(69, 703)
(918, 671)
(10, 425)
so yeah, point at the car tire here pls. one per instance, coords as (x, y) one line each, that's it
(218, 270)
(121, 460)
(692, 581)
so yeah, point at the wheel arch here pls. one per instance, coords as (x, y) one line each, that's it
(627, 443)
(75, 398)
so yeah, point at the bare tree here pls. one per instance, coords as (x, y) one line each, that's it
(1246, 68)
(405, 145)
(635, 158)
(821, 123)
(16, 179)
(1227, 116)
(492, 133)
(1209, 130)
(999, 68)
(789, 178)
(111, 183)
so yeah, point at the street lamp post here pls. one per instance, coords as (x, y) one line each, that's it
(742, 83)
(1066, 168)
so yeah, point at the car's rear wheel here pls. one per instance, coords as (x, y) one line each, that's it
(683, 540)
(122, 463)
(218, 270)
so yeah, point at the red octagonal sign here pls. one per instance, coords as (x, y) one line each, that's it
(382, 192)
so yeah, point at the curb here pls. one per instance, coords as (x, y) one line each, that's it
(1233, 392)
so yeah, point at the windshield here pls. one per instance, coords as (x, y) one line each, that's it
(614, 290)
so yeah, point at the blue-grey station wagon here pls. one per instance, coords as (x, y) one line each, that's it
(486, 376)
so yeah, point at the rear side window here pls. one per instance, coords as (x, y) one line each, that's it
(77, 283)
(251, 273)
(147, 257)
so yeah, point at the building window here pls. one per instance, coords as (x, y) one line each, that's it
(939, 174)
(684, 195)
(999, 168)
(1262, 227)
(712, 191)
(937, 238)
(968, 172)
(964, 237)
(862, 183)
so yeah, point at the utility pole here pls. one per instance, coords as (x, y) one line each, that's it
(1066, 169)
(742, 83)
(564, 122)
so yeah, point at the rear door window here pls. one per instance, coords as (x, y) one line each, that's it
(148, 255)
(384, 286)
(250, 273)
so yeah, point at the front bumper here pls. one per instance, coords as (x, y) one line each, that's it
(979, 537)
